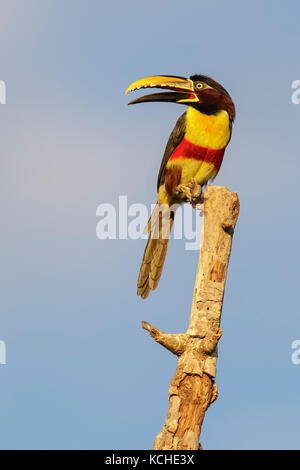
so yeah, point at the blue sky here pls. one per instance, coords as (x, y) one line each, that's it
(80, 372)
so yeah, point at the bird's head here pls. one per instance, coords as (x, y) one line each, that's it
(199, 91)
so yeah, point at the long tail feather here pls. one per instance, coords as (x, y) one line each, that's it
(159, 225)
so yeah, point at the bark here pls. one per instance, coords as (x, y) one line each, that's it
(192, 388)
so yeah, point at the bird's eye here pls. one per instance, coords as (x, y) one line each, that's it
(199, 85)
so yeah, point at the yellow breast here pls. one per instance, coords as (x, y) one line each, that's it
(207, 131)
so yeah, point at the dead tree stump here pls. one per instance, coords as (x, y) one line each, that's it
(192, 388)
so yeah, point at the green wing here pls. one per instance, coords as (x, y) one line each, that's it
(174, 140)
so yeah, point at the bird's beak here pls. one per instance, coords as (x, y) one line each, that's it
(182, 89)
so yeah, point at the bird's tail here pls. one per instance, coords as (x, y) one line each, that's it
(159, 226)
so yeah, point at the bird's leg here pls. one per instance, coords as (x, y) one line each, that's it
(197, 198)
(192, 192)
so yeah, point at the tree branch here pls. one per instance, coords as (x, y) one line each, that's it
(192, 388)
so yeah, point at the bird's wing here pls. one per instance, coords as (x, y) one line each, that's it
(174, 140)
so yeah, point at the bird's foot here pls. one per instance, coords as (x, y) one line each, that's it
(192, 192)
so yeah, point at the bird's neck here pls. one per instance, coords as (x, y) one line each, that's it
(213, 106)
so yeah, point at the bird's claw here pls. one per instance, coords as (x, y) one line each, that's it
(192, 192)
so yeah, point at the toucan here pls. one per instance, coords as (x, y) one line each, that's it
(193, 154)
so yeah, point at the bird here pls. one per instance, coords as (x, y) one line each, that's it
(193, 156)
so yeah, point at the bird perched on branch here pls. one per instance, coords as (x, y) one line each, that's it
(193, 156)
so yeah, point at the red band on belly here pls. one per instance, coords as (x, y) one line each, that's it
(188, 150)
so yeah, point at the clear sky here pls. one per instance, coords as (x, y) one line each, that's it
(80, 372)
